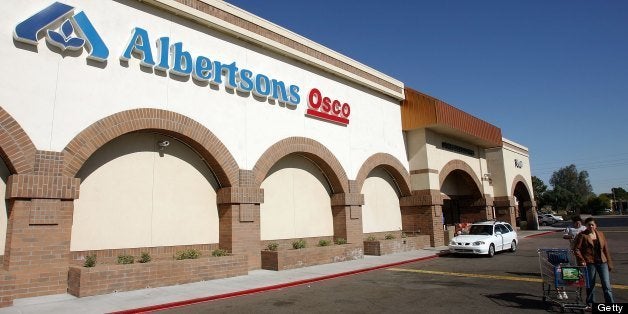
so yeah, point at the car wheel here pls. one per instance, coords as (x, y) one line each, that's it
(543, 223)
(513, 246)
(491, 250)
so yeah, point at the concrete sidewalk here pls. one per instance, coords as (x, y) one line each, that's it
(255, 281)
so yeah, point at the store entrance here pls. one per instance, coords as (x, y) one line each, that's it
(451, 212)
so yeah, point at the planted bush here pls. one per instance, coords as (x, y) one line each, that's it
(324, 243)
(219, 252)
(187, 254)
(272, 246)
(126, 259)
(389, 236)
(90, 261)
(145, 257)
(341, 241)
(299, 244)
(371, 238)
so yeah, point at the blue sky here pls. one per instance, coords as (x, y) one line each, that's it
(553, 75)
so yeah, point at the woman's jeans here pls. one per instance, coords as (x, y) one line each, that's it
(605, 278)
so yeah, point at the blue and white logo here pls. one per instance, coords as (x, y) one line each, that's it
(75, 31)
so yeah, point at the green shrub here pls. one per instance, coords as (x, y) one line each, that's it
(272, 246)
(389, 236)
(299, 244)
(90, 261)
(219, 252)
(187, 254)
(371, 238)
(341, 241)
(144, 257)
(404, 235)
(324, 243)
(126, 259)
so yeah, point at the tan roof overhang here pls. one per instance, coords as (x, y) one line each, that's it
(419, 110)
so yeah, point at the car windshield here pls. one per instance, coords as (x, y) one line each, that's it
(481, 230)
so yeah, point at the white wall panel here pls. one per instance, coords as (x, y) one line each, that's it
(380, 211)
(296, 201)
(134, 195)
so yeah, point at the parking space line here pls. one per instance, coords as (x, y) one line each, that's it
(483, 276)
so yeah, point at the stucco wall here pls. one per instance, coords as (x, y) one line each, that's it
(135, 195)
(424, 142)
(48, 88)
(296, 201)
(380, 211)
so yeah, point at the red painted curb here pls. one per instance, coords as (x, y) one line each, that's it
(263, 289)
(542, 234)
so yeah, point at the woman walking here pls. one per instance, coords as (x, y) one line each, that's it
(591, 250)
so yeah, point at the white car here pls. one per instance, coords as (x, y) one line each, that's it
(549, 219)
(485, 238)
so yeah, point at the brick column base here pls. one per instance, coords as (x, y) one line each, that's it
(37, 249)
(423, 212)
(238, 236)
(426, 220)
(239, 222)
(533, 218)
(506, 210)
(347, 216)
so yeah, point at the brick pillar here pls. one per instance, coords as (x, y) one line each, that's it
(506, 210)
(423, 211)
(531, 215)
(239, 219)
(347, 216)
(37, 249)
(478, 209)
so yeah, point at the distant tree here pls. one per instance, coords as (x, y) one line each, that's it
(619, 193)
(539, 188)
(597, 204)
(571, 188)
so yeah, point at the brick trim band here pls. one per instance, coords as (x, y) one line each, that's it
(391, 165)
(458, 164)
(206, 144)
(30, 186)
(16, 148)
(347, 199)
(310, 149)
(426, 170)
(240, 195)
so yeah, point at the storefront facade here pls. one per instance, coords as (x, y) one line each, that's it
(158, 125)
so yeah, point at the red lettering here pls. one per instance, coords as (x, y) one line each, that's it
(336, 107)
(346, 110)
(327, 108)
(315, 98)
(326, 104)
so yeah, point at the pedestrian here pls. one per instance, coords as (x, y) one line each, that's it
(572, 232)
(591, 250)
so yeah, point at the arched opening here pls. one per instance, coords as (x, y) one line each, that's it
(144, 190)
(460, 195)
(380, 212)
(523, 201)
(297, 201)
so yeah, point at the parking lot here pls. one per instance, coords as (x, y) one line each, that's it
(508, 282)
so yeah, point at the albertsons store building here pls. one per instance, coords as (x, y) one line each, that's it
(170, 127)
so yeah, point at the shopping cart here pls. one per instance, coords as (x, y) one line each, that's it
(562, 277)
